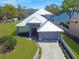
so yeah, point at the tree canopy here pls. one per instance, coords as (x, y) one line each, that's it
(8, 11)
(70, 6)
(53, 9)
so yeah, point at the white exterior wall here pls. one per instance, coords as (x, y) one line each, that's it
(74, 28)
(48, 36)
(22, 29)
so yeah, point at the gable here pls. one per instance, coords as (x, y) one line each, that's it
(49, 27)
(43, 12)
(35, 18)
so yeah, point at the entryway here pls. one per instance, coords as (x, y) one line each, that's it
(34, 34)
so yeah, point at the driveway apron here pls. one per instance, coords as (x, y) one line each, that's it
(51, 50)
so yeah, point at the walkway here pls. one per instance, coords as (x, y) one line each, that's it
(51, 50)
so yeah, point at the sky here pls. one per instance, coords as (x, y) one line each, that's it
(36, 4)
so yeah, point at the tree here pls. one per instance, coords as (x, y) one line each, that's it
(22, 12)
(9, 11)
(70, 6)
(53, 9)
(1, 13)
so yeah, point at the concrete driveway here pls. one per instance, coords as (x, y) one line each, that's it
(51, 50)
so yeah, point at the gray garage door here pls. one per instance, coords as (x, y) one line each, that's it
(48, 35)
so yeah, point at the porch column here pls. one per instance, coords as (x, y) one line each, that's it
(17, 31)
(39, 36)
(29, 29)
(30, 32)
(59, 36)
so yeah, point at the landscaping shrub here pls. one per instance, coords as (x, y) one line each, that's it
(7, 43)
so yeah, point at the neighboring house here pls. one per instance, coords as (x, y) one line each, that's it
(15, 19)
(39, 24)
(63, 17)
(74, 26)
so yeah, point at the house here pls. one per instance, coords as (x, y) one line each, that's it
(39, 24)
(74, 26)
(63, 17)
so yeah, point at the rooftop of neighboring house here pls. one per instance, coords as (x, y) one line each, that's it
(75, 19)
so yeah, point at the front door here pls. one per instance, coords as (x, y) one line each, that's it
(34, 32)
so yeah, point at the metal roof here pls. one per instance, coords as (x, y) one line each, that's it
(43, 12)
(49, 27)
(33, 18)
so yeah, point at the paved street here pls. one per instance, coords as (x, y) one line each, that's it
(51, 50)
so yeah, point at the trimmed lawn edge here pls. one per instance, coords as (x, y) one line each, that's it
(38, 52)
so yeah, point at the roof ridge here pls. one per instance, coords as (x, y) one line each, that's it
(42, 25)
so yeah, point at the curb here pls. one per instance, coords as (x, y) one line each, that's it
(37, 52)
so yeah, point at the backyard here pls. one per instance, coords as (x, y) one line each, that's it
(24, 49)
(74, 46)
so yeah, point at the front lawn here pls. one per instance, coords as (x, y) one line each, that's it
(72, 44)
(25, 48)
(7, 28)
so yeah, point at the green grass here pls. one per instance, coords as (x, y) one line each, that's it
(25, 48)
(7, 28)
(72, 44)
